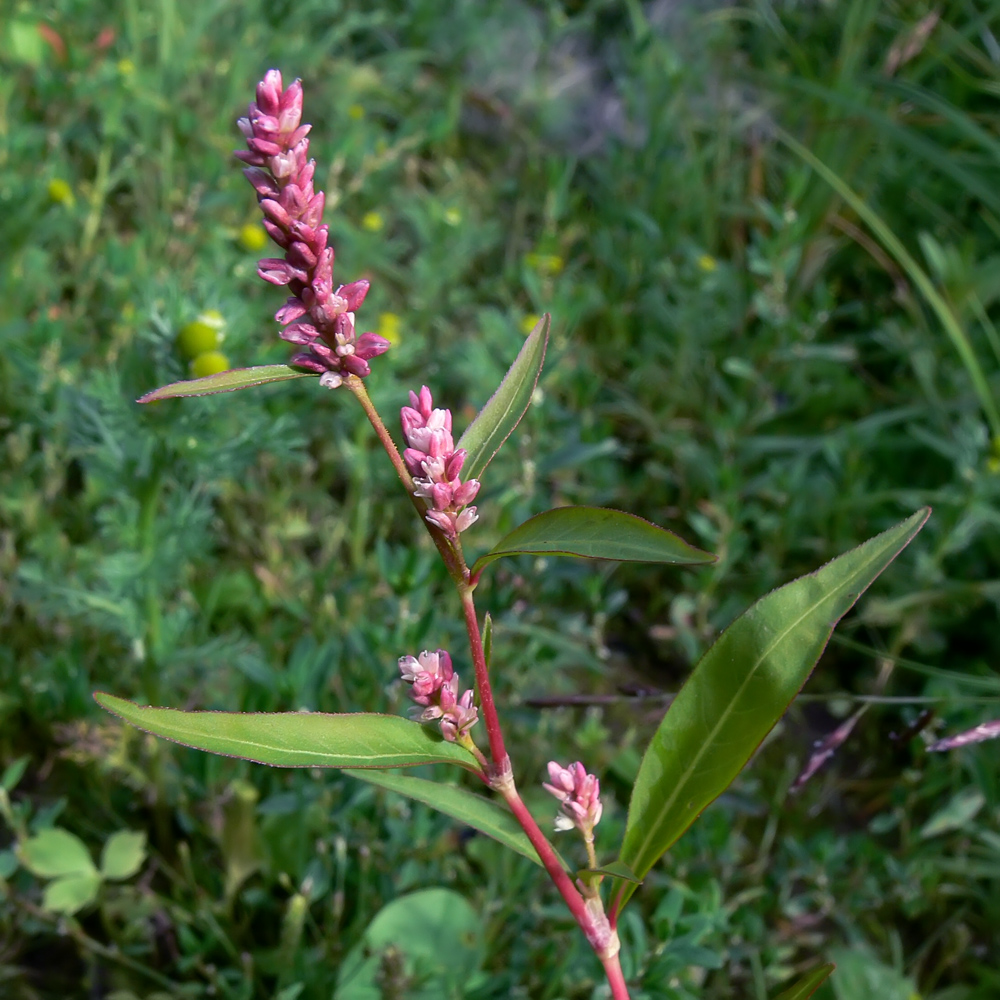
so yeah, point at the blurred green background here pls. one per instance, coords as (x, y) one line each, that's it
(768, 237)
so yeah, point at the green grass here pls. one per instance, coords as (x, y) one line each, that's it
(772, 270)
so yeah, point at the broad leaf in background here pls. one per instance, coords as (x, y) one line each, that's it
(123, 854)
(467, 807)
(738, 691)
(237, 378)
(862, 974)
(432, 940)
(809, 984)
(297, 739)
(503, 411)
(61, 856)
(594, 533)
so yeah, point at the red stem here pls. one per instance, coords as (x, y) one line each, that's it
(501, 762)
(547, 855)
(616, 979)
(499, 774)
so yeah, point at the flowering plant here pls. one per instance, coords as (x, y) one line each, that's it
(732, 699)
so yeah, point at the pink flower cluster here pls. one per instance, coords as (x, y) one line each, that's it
(435, 465)
(316, 316)
(435, 687)
(579, 795)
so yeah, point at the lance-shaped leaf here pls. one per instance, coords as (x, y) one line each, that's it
(297, 739)
(594, 533)
(808, 985)
(238, 378)
(467, 807)
(738, 691)
(503, 411)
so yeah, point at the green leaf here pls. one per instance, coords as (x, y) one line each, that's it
(123, 854)
(238, 378)
(13, 773)
(297, 739)
(738, 691)
(615, 870)
(54, 852)
(488, 640)
(503, 411)
(433, 941)
(860, 973)
(959, 812)
(467, 807)
(71, 893)
(594, 533)
(808, 984)
(8, 865)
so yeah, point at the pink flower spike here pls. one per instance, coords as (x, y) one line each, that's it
(309, 361)
(354, 294)
(269, 93)
(371, 345)
(292, 310)
(281, 172)
(458, 719)
(579, 795)
(466, 519)
(443, 521)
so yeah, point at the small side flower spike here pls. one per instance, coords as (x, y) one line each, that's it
(435, 465)
(579, 795)
(435, 690)
(318, 317)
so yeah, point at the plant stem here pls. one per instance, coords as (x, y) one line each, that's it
(501, 760)
(616, 979)
(588, 913)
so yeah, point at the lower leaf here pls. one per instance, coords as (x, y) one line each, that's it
(809, 984)
(297, 739)
(467, 807)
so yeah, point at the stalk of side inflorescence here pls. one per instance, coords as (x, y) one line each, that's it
(587, 911)
(501, 769)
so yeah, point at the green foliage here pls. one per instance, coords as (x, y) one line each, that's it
(425, 945)
(297, 739)
(225, 381)
(735, 354)
(475, 811)
(594, 533)
(503, 411)
(738, 691)
(808, 985)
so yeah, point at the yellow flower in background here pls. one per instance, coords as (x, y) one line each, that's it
(202, 335)
(549, 264)
(372, 221)
(707, 263)
(529, 323)
(993, 460)
(356, 112)
(61, 193)
(252, 237)
(453, 217)
(209, 363)
(126, 67)
(388, 327)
